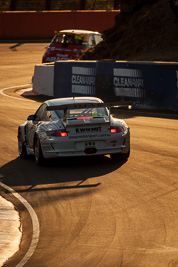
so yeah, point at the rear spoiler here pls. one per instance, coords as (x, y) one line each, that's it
(91, 105)
(88, 105)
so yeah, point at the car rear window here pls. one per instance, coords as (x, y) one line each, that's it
(78, 113)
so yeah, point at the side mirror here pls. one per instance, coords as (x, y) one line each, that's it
(31, 118)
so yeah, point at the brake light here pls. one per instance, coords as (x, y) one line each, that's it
(84, 118)
(114, 130)
(62, 134)
(56, 133)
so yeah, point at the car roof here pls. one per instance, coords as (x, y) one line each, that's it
(75, 31)
(72, 100)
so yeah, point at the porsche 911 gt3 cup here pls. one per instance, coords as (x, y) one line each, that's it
(67, 127)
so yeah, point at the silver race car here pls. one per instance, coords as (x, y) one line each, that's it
(67, 127)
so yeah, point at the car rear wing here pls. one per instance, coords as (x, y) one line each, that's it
(90, 105)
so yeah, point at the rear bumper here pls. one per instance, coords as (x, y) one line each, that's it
(67, 148)
(49, 155)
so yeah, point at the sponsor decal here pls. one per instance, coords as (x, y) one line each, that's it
(83, 80)
(89, 136)
(128, 83)
(65, 50)
(88, 130)
(62, 55)
(51, 59)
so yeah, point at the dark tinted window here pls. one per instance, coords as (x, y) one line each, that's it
(74, 39)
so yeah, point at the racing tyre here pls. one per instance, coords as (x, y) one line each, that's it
(38, 152)
(21, 146)
(120, 156)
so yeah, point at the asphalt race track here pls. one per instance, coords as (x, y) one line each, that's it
(91, 211)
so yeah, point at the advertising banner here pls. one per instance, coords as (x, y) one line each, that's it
(147, 85)
(74, 78)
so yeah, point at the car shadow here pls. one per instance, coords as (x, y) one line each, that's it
(24, 175)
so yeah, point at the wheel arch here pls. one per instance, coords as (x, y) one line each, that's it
(34, 140)
(22, 130)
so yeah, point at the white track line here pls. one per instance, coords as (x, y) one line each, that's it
(14, 87)
(35, 225)
(34, 218)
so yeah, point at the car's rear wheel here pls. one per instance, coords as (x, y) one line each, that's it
(38, 151)
(21, 145)
(120, 156)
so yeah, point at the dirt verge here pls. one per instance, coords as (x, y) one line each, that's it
(147, 34)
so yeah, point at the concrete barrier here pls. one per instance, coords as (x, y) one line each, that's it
(42, 24)
(148, 85)
(43, 79)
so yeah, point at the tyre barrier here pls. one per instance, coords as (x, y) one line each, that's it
(149, 85)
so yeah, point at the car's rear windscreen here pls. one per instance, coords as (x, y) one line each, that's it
(78, 113)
